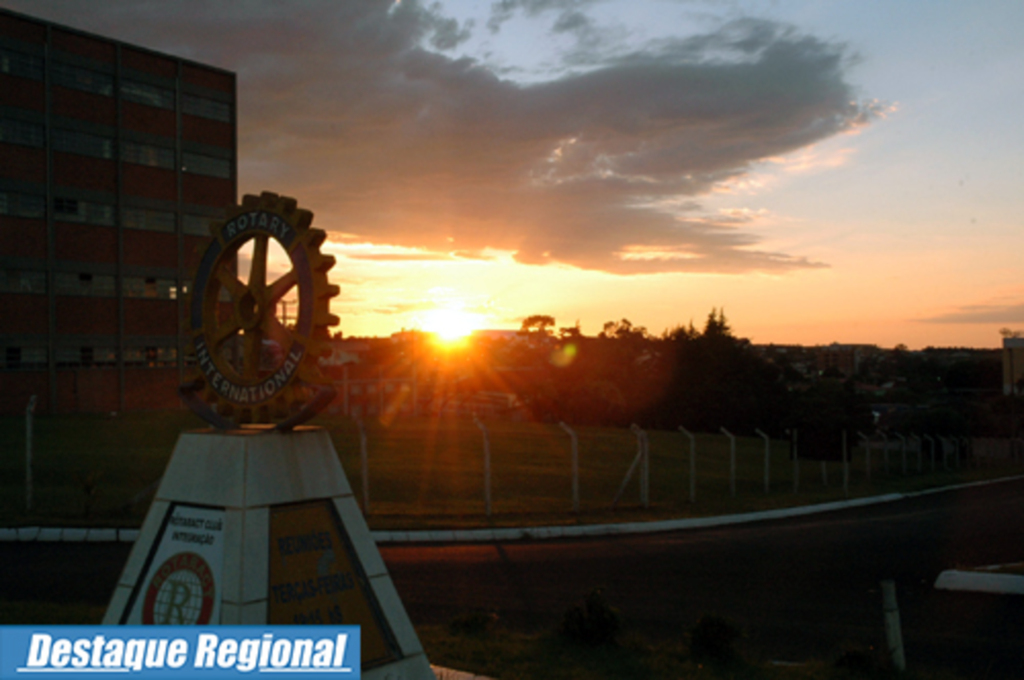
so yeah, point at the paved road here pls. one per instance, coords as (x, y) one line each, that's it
(800, 588)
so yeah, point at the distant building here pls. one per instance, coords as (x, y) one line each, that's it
(844, 358)
(503, 335)
(345, 351)
(113, 159)
(1013, 365)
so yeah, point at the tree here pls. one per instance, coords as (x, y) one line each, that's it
(570, 332)
(715, 380)
(539, 323)
(623, 330)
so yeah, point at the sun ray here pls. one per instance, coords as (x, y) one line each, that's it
(451, 325)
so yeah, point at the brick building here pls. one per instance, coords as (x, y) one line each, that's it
(113, 159)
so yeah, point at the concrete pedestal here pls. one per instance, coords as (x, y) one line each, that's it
(260, 527)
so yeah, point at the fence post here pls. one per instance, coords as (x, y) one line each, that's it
(846, 468)
(945, 454)
(487, 464)
(575, 467)
(867, 454)
(885, 452)
(903, 452)
(637, 461)
(30, 409)
(693, 464)
(796, 461)
(767, 457)
(893, 632)
(365, 463)
(931, 448)
(732, 460)
(644, 454)
(647, 469)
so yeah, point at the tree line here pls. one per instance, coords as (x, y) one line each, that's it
(708, 378)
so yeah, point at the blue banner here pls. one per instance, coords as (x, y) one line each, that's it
(177, 651)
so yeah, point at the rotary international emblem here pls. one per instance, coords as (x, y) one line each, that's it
(250, 366)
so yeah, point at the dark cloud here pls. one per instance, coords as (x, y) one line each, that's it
(343, 105)
(568, 11)
(1013, 314)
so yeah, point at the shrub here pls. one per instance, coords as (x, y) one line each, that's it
(592, 622)
(859, 660)
(712, 639)
(474, 624)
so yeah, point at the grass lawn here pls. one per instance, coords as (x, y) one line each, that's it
(94, 470)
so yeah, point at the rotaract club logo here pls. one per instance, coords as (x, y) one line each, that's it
(180, 593)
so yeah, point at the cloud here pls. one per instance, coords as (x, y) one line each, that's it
(350, 107)
(1007, 313)
(569, 12)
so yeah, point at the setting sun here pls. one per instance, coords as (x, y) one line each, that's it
(451, 324)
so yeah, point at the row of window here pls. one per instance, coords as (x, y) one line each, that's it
(85, 212)
(17, 204)
(89, 285)
(33, 206)
(82, 143)
(87, 80)
(35, 358)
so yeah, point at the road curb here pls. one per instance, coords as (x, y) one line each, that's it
(981, 582)
(54, 534)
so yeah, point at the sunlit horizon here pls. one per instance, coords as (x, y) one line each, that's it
(450, 324)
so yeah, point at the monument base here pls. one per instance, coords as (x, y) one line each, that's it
(255, 526)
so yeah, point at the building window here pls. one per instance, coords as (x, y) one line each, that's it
(83, 144)
(147, 154)
(21, 132)
(90, 285)
(205, 108)
(68, 357)
(16, 204)
(21, 64)
(152, 357)
(196, 225)
(206, 165)
(84, 79)
(144, 93)
(24, 358)
(104, 356)
(85, 357)
(22, 281)
(166, 356)
(74, 210)
(161, 289)
(150, 220)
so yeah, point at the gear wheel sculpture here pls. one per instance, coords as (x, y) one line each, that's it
(251, 367)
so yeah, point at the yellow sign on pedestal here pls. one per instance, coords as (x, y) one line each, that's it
(316, 579)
